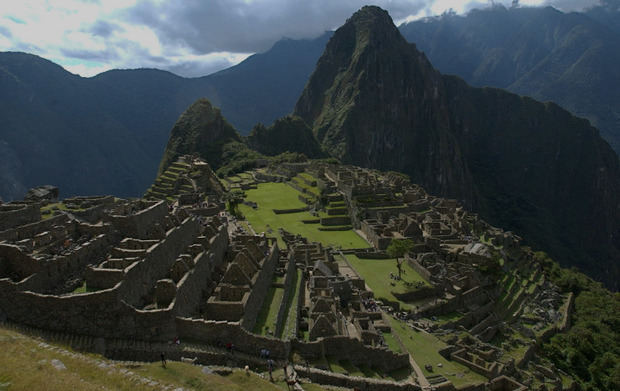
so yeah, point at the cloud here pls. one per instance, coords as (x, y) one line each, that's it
(250, 26)
(103, 28)
(190, 37)
(5, 31)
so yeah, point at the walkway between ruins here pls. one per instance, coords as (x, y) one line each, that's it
(422, 381)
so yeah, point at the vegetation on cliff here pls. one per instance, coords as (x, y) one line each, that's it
(286, 134)
(590, 349)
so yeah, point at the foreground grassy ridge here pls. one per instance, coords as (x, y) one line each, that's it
(26, 364)
(424, 349)
(376, 272)
(271, 196)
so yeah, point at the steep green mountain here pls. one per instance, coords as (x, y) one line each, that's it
(374, 100)
(568, 58)
(287, 134)
(200, 130)
(106, 134)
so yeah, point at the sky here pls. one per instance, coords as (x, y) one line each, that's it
(190, 37)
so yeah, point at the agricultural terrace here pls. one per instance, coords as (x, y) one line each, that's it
(376, 272)
(269, 196)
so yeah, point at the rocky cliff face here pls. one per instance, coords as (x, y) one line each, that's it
(200, 130)
(375, 101)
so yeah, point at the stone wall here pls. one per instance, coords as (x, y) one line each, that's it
(459, 356)
(219, 333)
(15, 261)
(331, 221)
(99, 278)
(422, 271)
(341, 348)
(349, 382)
(418, 294)
(30, 230)
(285, 211)
(192, 285)
(345, 348)
(141, 276)
(140, 223)
(13, 215)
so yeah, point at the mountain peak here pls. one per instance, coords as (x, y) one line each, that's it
(372, 25)
(201, 129)
(370, 15)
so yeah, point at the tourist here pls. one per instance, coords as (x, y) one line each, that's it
(270, 366)
(163, 359)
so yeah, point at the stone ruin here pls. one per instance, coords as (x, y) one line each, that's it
(128, 276)
(459, 256)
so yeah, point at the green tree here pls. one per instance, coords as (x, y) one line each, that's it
(397, 249)
(233, 199)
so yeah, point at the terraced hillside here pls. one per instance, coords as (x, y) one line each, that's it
(186, 176)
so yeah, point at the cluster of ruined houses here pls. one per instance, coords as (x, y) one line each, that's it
(146, 270)
(456, 253)
(141, 270)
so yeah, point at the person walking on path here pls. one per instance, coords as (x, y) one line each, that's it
(163, 359)
(270, 365)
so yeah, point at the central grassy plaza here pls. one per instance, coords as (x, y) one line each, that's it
(270, 196)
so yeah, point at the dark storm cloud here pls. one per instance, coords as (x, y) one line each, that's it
(103, 28)
(250, 26)
(92, 55)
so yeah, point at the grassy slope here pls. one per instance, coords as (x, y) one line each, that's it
(25, 364)
(423, 347)
(271, 196)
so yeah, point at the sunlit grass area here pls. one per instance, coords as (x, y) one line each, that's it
(26, 365)
(271, 196)
(424, 348)
(376, 272)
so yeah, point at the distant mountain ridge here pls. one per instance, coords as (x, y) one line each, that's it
(106, 134)
(568, 58)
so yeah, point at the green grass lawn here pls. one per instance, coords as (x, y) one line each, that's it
(376, 272)
(271, 196)
(424, 349)
(268, 314)
(291, 307)
(392, 342)
(47, 210)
